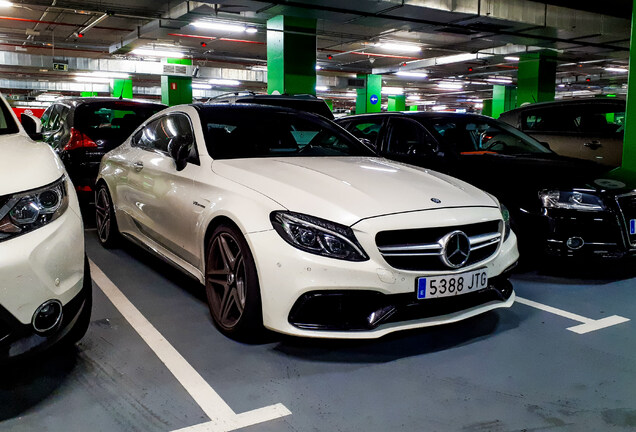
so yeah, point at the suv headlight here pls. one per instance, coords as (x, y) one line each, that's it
(505, 214)
(318, 236)
(572, 200)
(26, 211)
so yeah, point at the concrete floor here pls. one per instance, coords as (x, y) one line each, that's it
(518, 369)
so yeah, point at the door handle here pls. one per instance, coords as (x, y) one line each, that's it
(138, 166)
(593, 144)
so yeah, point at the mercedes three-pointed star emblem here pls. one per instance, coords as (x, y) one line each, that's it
(456, 249)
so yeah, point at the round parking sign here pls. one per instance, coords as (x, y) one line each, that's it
(373, 99)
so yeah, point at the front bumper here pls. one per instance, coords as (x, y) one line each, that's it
(314, 296)
(45, 264)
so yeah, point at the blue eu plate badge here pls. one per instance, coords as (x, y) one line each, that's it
(632, 226)
(421, 288)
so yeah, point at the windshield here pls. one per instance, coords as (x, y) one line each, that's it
(7, 124)
(478, 135)
(250, 133)
(113, 120)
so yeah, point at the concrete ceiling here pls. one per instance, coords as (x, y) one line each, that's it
(460, 40)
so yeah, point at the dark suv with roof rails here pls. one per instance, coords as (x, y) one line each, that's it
(301, 102)
(83, 129)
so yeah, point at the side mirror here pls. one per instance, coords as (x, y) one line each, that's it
(179, 149)
(545, 144)
(32, 126)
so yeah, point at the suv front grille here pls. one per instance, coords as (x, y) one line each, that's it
(627, 205)
(421, 249)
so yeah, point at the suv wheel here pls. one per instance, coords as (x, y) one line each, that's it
(107, 231)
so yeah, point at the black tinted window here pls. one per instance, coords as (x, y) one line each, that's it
(161, 133)
(368, 129)
(7, 124)
(408, 137)
(251, 133)
(112, 120)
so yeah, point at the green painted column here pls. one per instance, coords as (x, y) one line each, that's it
(369, 98)
(536, 77)
(329, 103)
(413, 108)
(122, 88)
(487, 108)
(397, 103)
(176, 90)
(291, 55)
(88, 94)
(629, 138)
(504, 98)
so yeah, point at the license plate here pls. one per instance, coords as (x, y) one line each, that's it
(451, 285)
(632, 226)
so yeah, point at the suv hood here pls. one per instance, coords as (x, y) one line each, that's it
(348, 189)
(25, 164)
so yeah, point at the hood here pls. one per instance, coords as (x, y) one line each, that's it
(25, 164)
(348, 189)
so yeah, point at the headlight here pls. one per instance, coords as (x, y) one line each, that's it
(26, 211)
(572, 200)
(505, 214)
(318, 236)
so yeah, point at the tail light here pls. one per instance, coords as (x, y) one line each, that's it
(78, 140)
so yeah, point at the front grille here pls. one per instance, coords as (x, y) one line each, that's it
(421, 249)
(627, 205)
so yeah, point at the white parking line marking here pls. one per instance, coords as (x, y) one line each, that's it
(222, 417)
(588, 324)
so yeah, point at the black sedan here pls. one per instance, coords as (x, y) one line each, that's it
(562, 206)
(82, 130)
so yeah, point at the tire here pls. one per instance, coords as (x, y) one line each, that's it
(80, 327)
(107, 230)
(231, 285)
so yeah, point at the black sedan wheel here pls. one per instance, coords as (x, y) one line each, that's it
(105, 218)
(231, 284)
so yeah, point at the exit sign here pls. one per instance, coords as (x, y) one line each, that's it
(60, 66)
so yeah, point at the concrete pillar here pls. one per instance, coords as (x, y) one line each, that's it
(629, 137)
(504, 99)
(487, 108)
(397, 103)
(176, 90)
(122, 88)
(89, 94)
(413, 108)
(536, 77)
(369, 98)
(291, 55)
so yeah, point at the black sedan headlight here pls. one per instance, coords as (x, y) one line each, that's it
(572, 200)
(27, 211)
(318, 236)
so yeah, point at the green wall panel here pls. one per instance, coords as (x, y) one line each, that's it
(291, 55)
(369, 98)
(629, 138)
(88, 94)
(122, 88)
(176, 90)
(397, 103)
(487, 108)
(504, 98)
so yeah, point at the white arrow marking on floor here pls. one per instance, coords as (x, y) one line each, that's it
(589, 325)
(222, 417)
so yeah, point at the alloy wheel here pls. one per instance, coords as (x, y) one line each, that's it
(103, 214)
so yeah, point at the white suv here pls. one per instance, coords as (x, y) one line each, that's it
(290, 222)
(45, 286)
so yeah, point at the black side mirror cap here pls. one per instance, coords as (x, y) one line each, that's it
(180, 150)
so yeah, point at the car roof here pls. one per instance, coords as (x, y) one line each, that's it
(419, 114)
(247, 107)
(568, 103)
(77, 101)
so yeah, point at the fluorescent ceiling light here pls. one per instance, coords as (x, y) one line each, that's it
(92, 80)
(499, 81)
(399, 47)
(224, 82)
(251, 30)
(322, 88)
(616, 69)
(413, 98)
(450, 86)
(392, 90)
(200, 86)
(259, 68)
(351, 94)
(118, 75)
(511, 58)
(561, 85)
(318, 67)
(4, 3)
(412, 74)
(439, 107)
(235, 28)
(158, 53)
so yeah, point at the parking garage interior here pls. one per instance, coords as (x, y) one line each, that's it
(562, 357)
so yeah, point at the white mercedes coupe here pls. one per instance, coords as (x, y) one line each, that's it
(293, 224)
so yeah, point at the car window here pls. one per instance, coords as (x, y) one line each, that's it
(601, 120)
(472, 135)
(368, 129)
(161, 133)
(7, 124)
(51, 118)
(275, 134)
(408, 137)
(550, 120)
